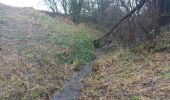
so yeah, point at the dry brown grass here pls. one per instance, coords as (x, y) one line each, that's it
(30, 44)
(28, 68)
(124, 75)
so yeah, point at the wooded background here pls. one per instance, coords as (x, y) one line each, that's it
(129, 21)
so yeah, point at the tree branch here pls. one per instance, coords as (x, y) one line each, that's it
(138, 7)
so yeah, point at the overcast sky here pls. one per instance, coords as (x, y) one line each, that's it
(36, 4)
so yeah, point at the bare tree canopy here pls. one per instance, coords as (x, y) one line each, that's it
(158, 9)
(139, 17)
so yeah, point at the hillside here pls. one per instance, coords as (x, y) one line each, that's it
(38, 53)
(140, 73)
(51, 58)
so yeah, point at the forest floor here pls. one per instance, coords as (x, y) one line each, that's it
(38, 53)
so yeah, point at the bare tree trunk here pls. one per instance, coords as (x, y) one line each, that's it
(103, 40)
(155, 13)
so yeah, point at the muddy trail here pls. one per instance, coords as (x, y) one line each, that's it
(72, 88)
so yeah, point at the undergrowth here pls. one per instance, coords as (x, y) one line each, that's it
(140, 73)
(39, 54)
(77, 44)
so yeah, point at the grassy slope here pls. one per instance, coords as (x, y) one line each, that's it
(132, 74)
(37, 53)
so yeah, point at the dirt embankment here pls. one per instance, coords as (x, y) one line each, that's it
(139, 74)
(28, 66)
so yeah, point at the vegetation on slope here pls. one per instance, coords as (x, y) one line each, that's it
(76, 44)
(37, 53)
(141, 73)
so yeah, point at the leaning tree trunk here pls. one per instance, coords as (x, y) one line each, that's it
(159, 17)
(104, 39)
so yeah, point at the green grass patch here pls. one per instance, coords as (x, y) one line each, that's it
(166, 75)
(77, 46)
(74, 44)
(44, 58)
(137, 98)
